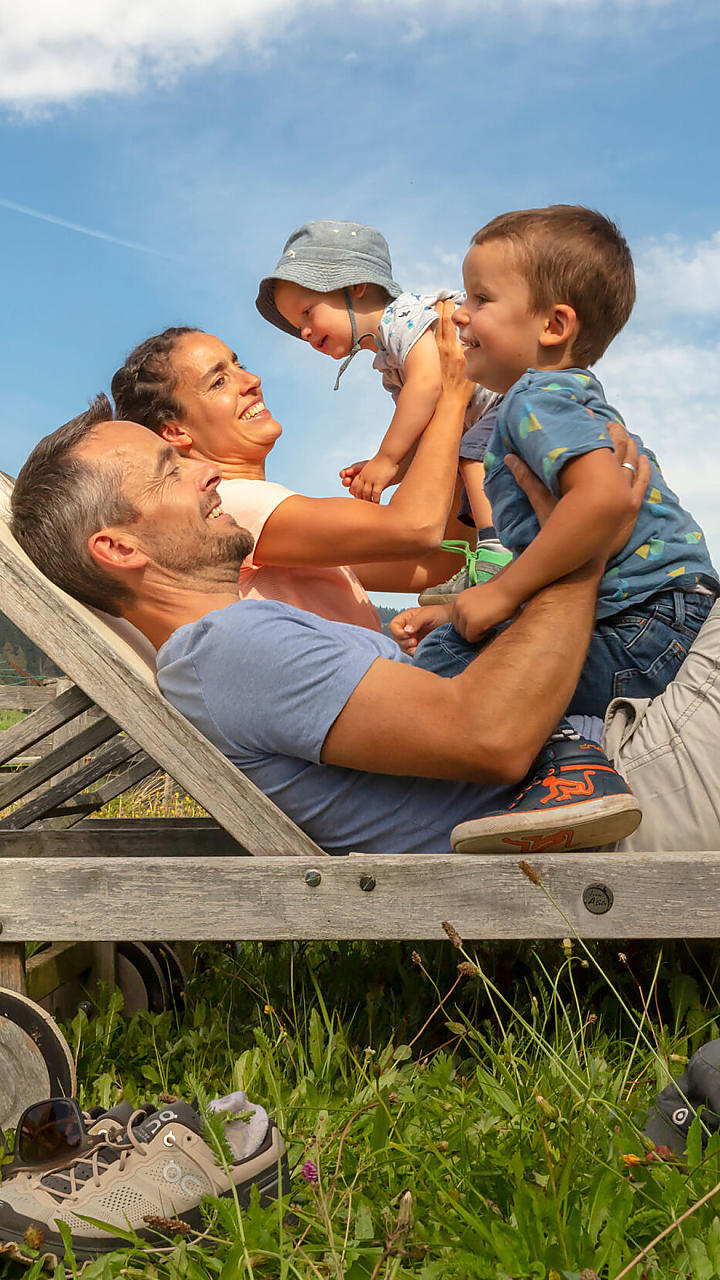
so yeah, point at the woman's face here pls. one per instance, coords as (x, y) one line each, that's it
(223, 408)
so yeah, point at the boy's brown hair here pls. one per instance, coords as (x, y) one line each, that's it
(577, 256)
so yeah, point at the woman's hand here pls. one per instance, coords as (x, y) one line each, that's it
(412, 625)
(452, 355)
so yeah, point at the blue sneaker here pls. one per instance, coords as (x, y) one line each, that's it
(572, 798)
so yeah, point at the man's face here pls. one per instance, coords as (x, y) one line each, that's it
(496, 323)
(181, 524)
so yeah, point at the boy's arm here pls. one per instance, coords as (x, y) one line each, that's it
(414, 409)
(594, 501)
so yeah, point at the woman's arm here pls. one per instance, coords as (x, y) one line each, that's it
(330, 531)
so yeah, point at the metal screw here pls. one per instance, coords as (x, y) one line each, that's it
(1, 926)
(598, 898)
(367, 883)
(313, 878)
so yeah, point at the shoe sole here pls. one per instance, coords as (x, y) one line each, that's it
(585, 825)
(438, 597)
(270, 1185)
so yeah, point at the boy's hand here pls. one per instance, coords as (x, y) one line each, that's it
(412, 625)
(348, 474)
(375, 476)
(480, 608)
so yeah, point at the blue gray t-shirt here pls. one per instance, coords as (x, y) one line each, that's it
(265, 682)
(550, 418)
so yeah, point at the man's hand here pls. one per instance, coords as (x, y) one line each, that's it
(412, 625)
(480, 608)
(626, 451)
(452, 354)
(375, 476)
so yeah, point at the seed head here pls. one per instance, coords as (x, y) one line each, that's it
(529, 871)
(452, 934)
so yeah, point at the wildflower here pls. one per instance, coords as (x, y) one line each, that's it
(33, 1237)
(452, 934)
(405, 1213)
(630, 1159)
(268, 1008)
(529, 871)
(309, 1171)
(415, 957)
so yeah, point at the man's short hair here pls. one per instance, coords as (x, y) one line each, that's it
(60, 501)
(577, 256)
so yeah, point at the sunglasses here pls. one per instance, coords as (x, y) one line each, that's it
(48, 1133)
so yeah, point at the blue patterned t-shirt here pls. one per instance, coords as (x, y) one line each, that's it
(549, 418)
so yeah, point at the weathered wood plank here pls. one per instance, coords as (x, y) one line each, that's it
(25, 697)
(111, 757)
(60, 963)
(119, 681)
(654, 896)
(20, 737)
(12, 966)
(78, 807)
(69, 753)
(138, 838)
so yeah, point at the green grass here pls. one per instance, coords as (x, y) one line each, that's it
(483, 1124)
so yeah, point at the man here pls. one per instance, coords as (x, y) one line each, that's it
(363, 749)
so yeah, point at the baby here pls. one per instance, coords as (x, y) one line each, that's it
(547, 291)
(333, 287)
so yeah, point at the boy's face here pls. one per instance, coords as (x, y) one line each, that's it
(497, 324)
(322, 318)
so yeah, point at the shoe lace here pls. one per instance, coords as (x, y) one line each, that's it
(95, 1161)
(472, 557)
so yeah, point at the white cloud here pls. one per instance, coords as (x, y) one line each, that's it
(52, 52)
(680, 276)
(669, 393)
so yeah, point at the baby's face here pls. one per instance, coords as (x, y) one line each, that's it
(322, 318)
(496, 323)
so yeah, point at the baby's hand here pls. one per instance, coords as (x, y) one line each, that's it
(412, 625)
(348, 474)
(479, 608)
(375, 476)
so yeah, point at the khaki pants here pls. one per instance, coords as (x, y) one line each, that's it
(668, 749)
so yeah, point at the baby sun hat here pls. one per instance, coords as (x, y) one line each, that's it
(325, 256)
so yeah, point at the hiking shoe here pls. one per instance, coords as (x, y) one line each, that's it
(480, 566)
(572, 798)
(149, 1177)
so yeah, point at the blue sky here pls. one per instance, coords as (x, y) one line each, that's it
(195, 137)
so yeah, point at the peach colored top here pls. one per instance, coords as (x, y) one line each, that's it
(332, 592)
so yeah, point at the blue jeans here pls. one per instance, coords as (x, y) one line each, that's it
(634, 655)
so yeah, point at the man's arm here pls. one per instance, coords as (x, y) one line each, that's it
(487, 724)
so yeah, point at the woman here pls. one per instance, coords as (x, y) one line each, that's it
(188, 387)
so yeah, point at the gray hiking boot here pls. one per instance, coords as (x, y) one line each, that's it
(480, 566)
(149, 1176)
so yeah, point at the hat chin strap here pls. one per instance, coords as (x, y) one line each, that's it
(355, 340)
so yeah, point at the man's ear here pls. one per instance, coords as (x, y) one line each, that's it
(114, 550)
(175, 434)
(561, 326)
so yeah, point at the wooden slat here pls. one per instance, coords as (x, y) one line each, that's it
(78, 807)
(105, 666)
(60, 963)
(20, 737)
(111, 757)
(25, 697)
(666, 895)
(69, 753)
(157, 837)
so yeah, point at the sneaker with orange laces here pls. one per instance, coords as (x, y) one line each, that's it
(572, 798)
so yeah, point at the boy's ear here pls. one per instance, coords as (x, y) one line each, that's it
(112, 549)
(175, 434)
(561, 325)
(357, 290)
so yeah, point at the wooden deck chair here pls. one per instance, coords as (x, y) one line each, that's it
(253, 873)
